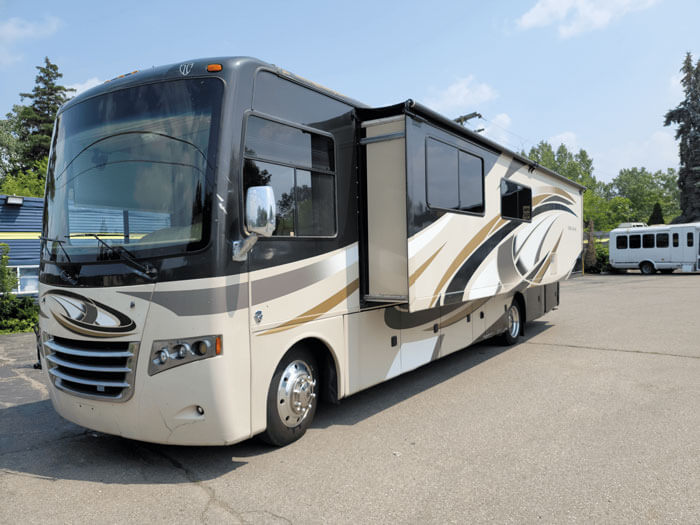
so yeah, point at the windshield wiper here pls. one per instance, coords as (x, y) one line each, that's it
(60, 245)
(150, 271)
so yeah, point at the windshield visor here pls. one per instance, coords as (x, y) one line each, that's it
(135, 168)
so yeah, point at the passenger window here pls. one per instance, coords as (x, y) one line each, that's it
(516, 201)
(622, 242)
(690, 239)
(662, 240)
(675, 240)
(455, 178)
(635, 241)
(299, 166)
(648, 240)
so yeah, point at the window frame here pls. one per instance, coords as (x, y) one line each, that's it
(483, 179)
(676, 240)
(690, 240)
(500, 198)
(617, 242)
(638, 237)
(244, 156)
(645, 237)
(661, 234)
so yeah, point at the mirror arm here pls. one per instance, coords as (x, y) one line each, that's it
(241, 248)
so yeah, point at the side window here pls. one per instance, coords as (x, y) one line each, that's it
(635, 241)
(675, 240)
(621, 242)
(689, 239)
(516, 201)
(662, 240)
(299, 165)
(648, 240)
(455, 178)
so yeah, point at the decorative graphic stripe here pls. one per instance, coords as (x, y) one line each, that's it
(557, 191)
(207, 301)
(460, 280)
(413, 278)
(548, 261)
(551, 207)
(318, 310)
(471, 307)
(462, 256)
(15, 236)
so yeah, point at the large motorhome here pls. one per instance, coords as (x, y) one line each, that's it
(226, 243)
(664, 248)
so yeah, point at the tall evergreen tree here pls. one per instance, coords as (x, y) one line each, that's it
(687, 117)
(656, 217)
(35, 122)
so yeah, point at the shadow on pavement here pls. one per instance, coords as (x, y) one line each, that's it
(35, 441)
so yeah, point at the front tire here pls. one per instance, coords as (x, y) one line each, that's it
(515, 320)
(291, 398)
(647, 268)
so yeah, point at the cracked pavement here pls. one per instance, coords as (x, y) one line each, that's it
(594, 417)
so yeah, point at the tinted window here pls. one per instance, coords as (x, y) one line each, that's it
(675, 240)
(635, 241)
(442, 174)
(274, 141)
(690, 239)
(662, 240)
(471, 183)
(516, 201)
(621, 242)
(648, 240)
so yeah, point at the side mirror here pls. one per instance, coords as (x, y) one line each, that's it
(260, 210)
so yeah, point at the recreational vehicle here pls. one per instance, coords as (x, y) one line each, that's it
(226, 243)
(664, 248)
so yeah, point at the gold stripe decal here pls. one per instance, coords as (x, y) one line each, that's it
(462, 256)
(13, 236)
(545, 267)
(423, 267)
(318, 310)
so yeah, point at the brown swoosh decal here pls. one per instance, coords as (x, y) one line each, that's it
(545, 266)
(423, 267)
(318, 310)
(462, 256)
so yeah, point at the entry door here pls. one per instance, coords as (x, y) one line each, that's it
(678, 243)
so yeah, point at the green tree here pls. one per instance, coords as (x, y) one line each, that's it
(644, 189)
(686, 116)
(28, 183)
(657, 216)
(8, 278)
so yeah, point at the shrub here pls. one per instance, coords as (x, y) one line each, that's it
(17, 314)
(602, 255)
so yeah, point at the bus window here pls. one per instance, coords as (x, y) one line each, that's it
(648, 240)
(675, 240)
(635, 241)
(662, 240)
(690, 239)
(622, 242)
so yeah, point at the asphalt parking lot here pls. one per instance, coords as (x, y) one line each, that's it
(594, 417)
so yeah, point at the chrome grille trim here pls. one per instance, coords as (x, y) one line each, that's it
(92, 369)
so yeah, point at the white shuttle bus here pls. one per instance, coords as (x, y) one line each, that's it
(225, 244)
(663, 248)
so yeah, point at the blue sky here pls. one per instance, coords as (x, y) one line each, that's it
(594, 74)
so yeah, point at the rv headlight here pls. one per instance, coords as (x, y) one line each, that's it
(169, 353)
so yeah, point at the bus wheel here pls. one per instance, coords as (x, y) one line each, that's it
(647, 268)
(515, 319)
(291, 400)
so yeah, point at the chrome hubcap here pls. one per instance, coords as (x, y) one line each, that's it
(514, 321)
(295, 393)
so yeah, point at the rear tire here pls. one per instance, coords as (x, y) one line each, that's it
(647, 268)
(515, 320)
(291, 398)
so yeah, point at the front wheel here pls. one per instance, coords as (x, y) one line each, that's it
(515, 320)
(647, 268)
(291, 399)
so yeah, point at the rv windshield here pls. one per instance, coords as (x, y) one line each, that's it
(134, 168)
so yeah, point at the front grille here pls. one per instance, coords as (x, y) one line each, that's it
(95, 369)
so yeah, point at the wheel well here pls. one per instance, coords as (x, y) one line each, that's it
(328, 371)
(647, 261)
(521, 303)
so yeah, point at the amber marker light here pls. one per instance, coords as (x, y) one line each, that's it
(213, 68)
(218, 345)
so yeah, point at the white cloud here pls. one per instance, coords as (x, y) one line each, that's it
(574, 17)
(659, 151)
(84, 86)
(15, 29)
(463, 95)
(497, 129)
(568, 138)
